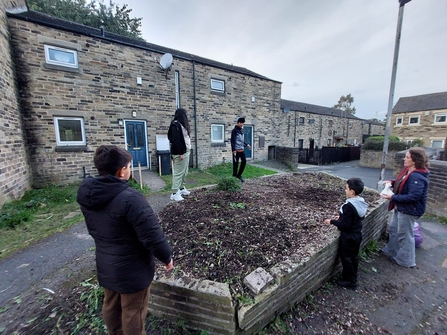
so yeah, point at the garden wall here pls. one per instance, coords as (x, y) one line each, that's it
(373, 159)
(208, 306)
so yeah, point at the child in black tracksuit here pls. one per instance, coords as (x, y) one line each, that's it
(349, 223)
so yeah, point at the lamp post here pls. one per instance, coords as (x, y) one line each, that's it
(391, 95)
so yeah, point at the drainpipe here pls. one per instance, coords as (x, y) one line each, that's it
(195, 111)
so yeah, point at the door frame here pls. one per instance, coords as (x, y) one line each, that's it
(248, 152)
(146, 144)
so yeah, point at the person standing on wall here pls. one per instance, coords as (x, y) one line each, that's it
(178, 135)
(237, 148)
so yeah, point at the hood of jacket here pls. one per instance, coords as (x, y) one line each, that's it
(359, 204)
(98, 192)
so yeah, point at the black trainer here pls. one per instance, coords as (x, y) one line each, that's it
(347, 284)
(240, 178)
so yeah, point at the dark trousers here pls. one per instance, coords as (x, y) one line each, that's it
(124, 314)
(349, 255)
(241, 156)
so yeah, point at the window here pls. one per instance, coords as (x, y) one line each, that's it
(399, 120)
(61, 56)
(330, 123)
(217, 133)
(217, 85)
(69, 131)
(437, 144)
(301, 121)
(300, 144)
(414, 120)
(441, 118)
(350, 125)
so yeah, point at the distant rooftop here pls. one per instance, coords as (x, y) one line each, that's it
(423, 102)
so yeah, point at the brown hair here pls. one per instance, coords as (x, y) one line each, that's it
(419, 157)
(110, 158)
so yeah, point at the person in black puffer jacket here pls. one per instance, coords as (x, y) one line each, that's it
(127, 236)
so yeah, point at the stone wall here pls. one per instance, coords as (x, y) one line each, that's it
(208, 305)
(105, 89)
(15, 176)
(373, 159)
(437, 191)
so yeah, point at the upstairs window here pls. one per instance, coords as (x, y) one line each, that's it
(217, 133)
(330, 123)
(399, 121)
(218, 85)
(61, 56)
(414, 120)
(441, 118)
(301, 121)
(69, 131)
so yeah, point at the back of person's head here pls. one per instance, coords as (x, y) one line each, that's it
(355, 184)
(419, 157)
(110, 158)
(181, 116)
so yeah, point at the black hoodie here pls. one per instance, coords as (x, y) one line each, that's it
(126, 231)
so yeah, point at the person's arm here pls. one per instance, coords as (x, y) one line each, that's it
(233, 141)
(415, 186)
(345, 220)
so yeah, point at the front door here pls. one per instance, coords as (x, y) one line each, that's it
(248, 137)
(136, 141)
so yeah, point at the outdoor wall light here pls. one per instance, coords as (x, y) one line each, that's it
(120, 122)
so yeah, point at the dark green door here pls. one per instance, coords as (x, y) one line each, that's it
(136, 141)
(248, 137)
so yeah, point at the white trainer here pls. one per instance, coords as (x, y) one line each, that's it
(176, 196)
(184, 191)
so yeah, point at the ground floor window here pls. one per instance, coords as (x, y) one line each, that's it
(437, 144)
(217, 133)
(69, 131)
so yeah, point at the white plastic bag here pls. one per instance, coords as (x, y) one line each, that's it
(387, 190)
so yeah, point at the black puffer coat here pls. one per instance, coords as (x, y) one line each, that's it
(126, 231)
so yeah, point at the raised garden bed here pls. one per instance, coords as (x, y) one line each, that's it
(275, 223)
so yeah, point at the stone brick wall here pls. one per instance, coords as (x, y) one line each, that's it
(105, 90)
(426, 130)
(373, 159)
(15, 176)
(208, 305)
(437, 192)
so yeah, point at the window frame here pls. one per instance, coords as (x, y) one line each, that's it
(401, 118)
(50, 61)
(61, 143)
(303, 119)
(413, 123)
(217, 81)
(440, 115)
(221, 140)
(442, 144)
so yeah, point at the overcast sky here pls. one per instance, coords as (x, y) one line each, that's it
(319, 49)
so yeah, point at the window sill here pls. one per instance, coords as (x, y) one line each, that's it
(61, 68)
(218, 144)
(74, 148)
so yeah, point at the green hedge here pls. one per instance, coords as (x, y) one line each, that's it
(375, 143)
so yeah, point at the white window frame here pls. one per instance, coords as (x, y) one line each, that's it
(399, 120)
(440, 115)
(217, 85)
(442, 144)
(414, 116)
(61, 142)
(217, 140)
(51, 60)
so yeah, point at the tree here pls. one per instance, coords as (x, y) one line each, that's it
(113, 18)
(345, 104)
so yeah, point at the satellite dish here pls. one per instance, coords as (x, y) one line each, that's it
(286, 110)
(166, 61)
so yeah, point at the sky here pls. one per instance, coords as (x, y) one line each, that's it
(319, 49)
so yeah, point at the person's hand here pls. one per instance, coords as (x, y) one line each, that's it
(327, 221)
(234, 153)
(386, 196)
(182, 157)
(249, 146)
(336, 217)
(169, 266)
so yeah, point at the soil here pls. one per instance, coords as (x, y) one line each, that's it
(223, 236)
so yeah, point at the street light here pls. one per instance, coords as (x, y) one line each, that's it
(391, 95)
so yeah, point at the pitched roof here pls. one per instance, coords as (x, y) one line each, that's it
(61, 24)
(309, 108)
(424, 102)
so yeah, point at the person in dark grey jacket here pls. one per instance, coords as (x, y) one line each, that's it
(237, 148)
(409, 202)
(127, 236)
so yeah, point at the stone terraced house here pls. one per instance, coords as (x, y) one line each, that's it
(68, 88)
(421, 117)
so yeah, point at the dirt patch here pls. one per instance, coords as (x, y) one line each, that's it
(223, 236)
